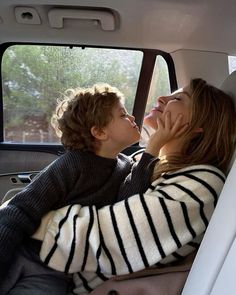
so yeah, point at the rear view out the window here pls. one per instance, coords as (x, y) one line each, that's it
(232, 63)
(34, 77)
(160, 85)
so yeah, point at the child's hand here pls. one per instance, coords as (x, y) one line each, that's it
(164, 133)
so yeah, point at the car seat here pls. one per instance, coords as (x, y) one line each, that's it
(214, 268)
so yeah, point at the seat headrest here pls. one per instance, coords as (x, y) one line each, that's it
(229, 86)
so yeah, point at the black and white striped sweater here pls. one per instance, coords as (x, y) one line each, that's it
(162, 225)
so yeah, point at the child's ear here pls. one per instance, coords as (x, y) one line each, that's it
(98, 133)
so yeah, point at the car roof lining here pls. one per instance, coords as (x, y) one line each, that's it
(167, 25)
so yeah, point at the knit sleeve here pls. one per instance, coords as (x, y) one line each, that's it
(139, 179)
(22, 215)
(138, 232)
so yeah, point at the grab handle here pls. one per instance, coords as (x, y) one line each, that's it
(57, 15)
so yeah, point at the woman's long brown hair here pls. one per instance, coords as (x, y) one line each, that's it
(212, 110)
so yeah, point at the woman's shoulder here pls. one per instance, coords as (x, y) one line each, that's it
(193, 174)
(196, 181)
(203, 168)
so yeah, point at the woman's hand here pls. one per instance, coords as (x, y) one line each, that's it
(164, 133)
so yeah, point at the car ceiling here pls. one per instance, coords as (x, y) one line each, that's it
(169, 25)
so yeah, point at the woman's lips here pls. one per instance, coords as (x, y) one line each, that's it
(157, 109)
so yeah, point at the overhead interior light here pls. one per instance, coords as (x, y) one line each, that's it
(27, 15)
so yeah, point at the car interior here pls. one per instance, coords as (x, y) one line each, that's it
(147, 48)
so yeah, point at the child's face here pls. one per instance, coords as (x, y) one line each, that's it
(122, 130)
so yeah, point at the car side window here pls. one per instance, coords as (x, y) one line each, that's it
(35, 76)
(160, 85)
(232, 63)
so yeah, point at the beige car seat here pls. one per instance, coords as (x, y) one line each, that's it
(214, 269)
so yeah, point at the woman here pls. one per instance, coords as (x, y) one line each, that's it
(166, 223)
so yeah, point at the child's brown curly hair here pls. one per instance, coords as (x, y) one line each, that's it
(80, 110)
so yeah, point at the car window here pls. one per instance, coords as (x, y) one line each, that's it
(232, 63)
(34, 77)
(160, 85)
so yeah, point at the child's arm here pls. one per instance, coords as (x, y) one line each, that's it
(22, 215)
(139, 179)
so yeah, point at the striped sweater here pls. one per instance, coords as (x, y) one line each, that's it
(164, 224)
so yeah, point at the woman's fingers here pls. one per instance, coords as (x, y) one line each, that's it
(178, 129)
(160, 123)
(181, 130)
(168, 121)
(167, 130)
(178, 124)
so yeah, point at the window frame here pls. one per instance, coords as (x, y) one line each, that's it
(140, 100)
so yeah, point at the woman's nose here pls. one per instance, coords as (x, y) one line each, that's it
(163, 99)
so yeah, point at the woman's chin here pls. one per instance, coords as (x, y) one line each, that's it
(150, 121)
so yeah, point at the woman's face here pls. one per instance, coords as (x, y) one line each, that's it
(178, 102)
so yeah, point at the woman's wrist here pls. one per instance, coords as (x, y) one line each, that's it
(154, 151)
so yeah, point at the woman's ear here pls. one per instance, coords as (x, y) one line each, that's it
(98, 133)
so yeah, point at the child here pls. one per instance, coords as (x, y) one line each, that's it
(95, 127)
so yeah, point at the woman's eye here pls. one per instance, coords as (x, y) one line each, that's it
(177, 98)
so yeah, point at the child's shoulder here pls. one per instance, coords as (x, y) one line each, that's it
(69, 157)
(72, 154)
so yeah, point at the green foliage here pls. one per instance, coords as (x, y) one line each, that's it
(34, 76)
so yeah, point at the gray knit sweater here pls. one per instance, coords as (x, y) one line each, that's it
(75, 177)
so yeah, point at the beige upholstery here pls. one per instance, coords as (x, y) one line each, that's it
(229, 86)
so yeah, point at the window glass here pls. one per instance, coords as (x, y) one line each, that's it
(160, 85)
(232, 63)
(34, 76)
